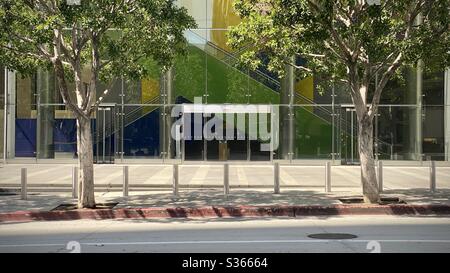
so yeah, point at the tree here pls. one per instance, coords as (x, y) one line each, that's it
(349, 41)
(114, 38)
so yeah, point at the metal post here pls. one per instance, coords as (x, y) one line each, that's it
(175, 180)
(75, 182)
(328, 177)
(226, 179)
(23, 179)
(125, 181)
(276, 177)
(433, 176)
(380, 176)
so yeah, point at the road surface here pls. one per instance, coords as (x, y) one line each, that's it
(389, 233)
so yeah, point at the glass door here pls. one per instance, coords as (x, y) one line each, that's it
(104, 137)
(349, 136)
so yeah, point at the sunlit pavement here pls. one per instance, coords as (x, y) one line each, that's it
(107, 176)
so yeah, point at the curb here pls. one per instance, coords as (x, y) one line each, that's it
(219, 212)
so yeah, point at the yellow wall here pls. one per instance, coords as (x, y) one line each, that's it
(149, 89)
(305, 87)
(223, 17)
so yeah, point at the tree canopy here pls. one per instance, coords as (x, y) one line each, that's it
(333, 35)
(128, 32)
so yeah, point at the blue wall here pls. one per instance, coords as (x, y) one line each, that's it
(141, 138)
(25, 138)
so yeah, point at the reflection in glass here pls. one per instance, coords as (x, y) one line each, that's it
(141, 132)
(397, 133)
(25, 123)
(313, 130)
(433, 144)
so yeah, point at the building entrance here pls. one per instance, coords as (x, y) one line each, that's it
(228, 132)
(104, 135)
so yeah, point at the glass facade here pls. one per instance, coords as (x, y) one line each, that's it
(134, 124)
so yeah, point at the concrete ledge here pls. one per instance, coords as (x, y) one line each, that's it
(218, 212)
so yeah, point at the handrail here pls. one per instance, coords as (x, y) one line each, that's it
(151, 101)
(269, 78)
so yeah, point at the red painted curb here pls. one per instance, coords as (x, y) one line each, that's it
(232, 211)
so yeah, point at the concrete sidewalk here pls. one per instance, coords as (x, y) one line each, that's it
(211, 197)
(201, 187)
(108, 177)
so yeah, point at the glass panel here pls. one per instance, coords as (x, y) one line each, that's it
(194, 144)
(348, 135)
(263, 90)
(25, 124)
(47, 91)
(237, 144)
(313, 90)
(171, 137)
(221, 14)
(189, 80)
(433, 144)
(105, 135)
(401, 90)
(197, 9)
(342, 94)
(313, 132)
(215, 143)
(115, 90)
(398, 131)
(142, 131)
(145, 91)
(260, 136)
(226, 83)
(433, 88)
(57, 133)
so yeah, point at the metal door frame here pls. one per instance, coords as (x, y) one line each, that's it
(191, 108)
(101, 110)
(345, 159)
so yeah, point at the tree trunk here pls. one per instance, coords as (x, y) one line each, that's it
(368, 175)
(86, 197)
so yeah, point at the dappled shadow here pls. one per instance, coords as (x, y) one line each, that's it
(212, 205)
(34, 202)
(240, 197)
(421, 195)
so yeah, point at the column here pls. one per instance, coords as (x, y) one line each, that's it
(287, 119)
(10, 101)
(167, 99)
(413, 128)
(45, 83)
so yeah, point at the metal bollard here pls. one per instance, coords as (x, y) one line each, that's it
(433, 176)
(75, 182)
(328, 177)
(125, 181)
(175, 180)
(23, 180)
(226, 179)
(380, 176)
(276, 178)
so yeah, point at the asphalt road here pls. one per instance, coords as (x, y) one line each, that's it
(375, 233)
